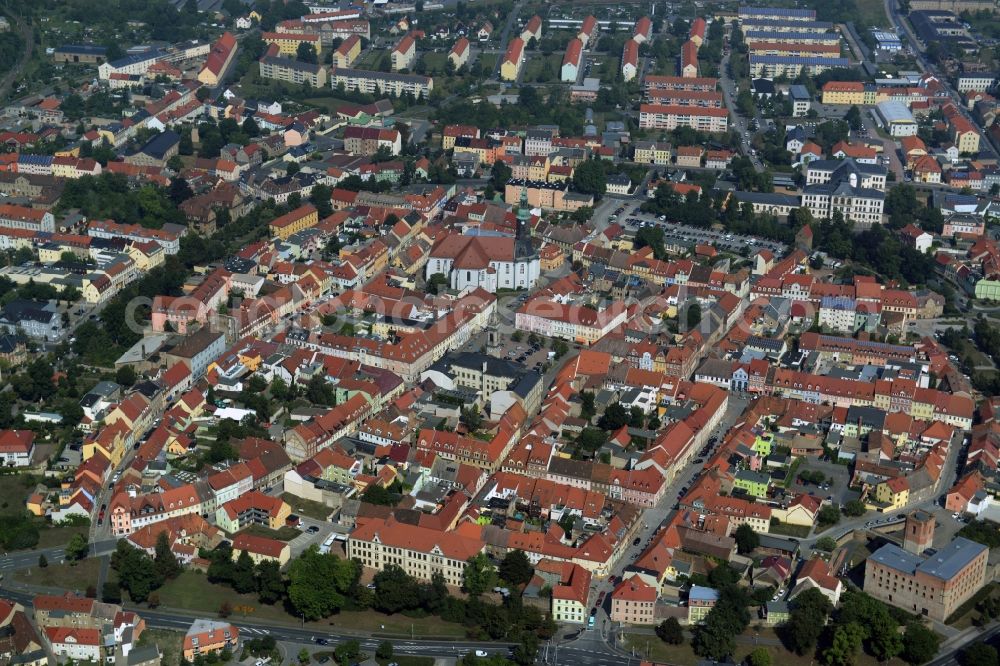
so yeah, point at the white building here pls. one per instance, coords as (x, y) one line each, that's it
(490, 262)
(896, 118)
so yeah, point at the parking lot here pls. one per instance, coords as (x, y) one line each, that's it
(681, 234)
(838, 492)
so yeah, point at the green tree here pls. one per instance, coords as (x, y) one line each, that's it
(978, 654)
(759, 657)
(587, 408)
(243, 574)
(76, 548)
(854, 508)
(347, 652)
(828, 515)
(395, 590)
(516, 569)
(43, 561)
(136, 571)
(613, 418)
(318, 583)
(844, 646)
(589, 178)
(747, 539)
(471, 417)
(479, 575)
(270, 585)
(304, 657)
(384, 650)
(805, 624)
(693, 315)
(436, 282)
(669, 631)
(125, 376)
(920, 644)
(306, 53)
(826, 543)
(166, 564)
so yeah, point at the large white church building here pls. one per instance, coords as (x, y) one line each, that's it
(489, 262)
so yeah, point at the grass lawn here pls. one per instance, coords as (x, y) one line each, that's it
(784, 529)
(169, 643)
(308, 508)
(281, 534)
(407, 660)
(331, 104)
(75, 576)
(192, 591)
(870, 13)
(542, 69)
(50, 537)
(369, 59)
(489, 61)
(434, 61)
(653, 648)
(14, 490)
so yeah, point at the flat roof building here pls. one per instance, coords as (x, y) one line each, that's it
(933, 586)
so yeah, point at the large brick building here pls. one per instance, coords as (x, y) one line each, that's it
(933, 586)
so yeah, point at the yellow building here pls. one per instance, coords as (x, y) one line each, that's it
(146, 256)
(347, 52)
(892, 494)
(288, 43)
(295, 221)
(510, 68)
(966, 140)
(261, 549)
(652, 152)
(848, 93)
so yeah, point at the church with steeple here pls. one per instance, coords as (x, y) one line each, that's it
(488, 261)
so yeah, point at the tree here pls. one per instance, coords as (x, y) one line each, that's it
(854, 508)
(243, 580)
(587, 408)
(167, 566)
(613, 418)
(920, 644)
(746, 539)
(693, 315)
(225, 609)
(978, 654)
(759, 657)
(180, 191)
(471, 417)
(853, 117)
(136, 571)
(305, 53)
(125, 376)
(395, 590)
(805, 624)
(76, 548)
(270, 585)
(111, 593)
(844, 646)
(318, 583)
(304, 656)
(346, 652)
(43, 561)
(669, 631)
(478, 576)
(515, 568)
(589, 177)
(384, 650)
(436, 282)
(826, 543)
(828, 515)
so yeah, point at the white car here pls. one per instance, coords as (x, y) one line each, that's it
(481, 653)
